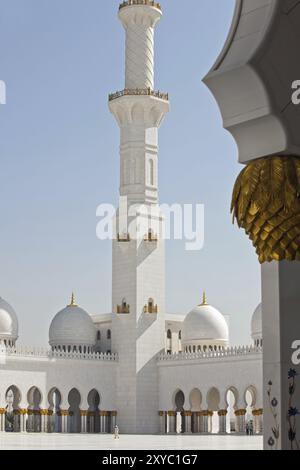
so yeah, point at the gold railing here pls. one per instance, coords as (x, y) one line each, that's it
(151, 3)
(150, 309)
(123, 309)
(139, 92)
(124, 238)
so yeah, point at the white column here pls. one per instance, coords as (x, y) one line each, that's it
(113, 420)
(83, 415)
(2, 419)
(162, 421)
(103, 420)
(64, 421)
(280, 318)
(205, 424)
(222, 421)
(188, 422)
(44, 421)
(171, 422)
(240, 421)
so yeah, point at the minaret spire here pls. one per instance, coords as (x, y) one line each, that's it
(72, 303)
(204, 299)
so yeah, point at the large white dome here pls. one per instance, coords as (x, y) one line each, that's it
(206, 326)
(72, 327)
(256, 323)
(8, 322)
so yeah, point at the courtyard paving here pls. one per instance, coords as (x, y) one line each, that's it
(11, 441)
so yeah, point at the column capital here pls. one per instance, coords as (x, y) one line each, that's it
(206, 413)
(114, 413)
(187, 413)
(2, 411)
(103, 413)
(222, 412)
(258, 412)
(65, 413)
(84, 413)
(34, 412)
(161, 413)
(171, 413)
(241, 412)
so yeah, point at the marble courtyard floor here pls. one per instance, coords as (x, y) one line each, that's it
(11, 441)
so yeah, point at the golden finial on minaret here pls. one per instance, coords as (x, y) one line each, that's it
(204, 299)
(73, 303)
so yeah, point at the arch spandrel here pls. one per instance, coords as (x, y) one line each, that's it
(252, 78)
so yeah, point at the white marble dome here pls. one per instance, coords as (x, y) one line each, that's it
(204, 327)
(256, 325)
(72, 328)
(8, 323)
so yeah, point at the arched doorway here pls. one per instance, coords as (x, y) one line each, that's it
(195, 402)
(74, 418)
(93, 418)
(250, 400)
(213, 402)
(232, 397)
(34, 398)
(179, 400)
(12, 416)
(54, 399)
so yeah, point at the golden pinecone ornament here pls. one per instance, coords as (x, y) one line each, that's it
(266, 204)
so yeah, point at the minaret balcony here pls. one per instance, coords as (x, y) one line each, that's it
(152, 309)
(123, 309)
(124, 238)
(139, 92)
(150, 3)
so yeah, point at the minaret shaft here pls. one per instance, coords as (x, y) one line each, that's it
(138, 272)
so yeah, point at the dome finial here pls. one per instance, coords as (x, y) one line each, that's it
(73, 303)
(204, 299)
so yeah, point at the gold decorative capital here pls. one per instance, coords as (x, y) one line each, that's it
(266, 204)
(258, 412)
(2, 411)
(84, 413)
(206, 413)
(171, 413)
(114, 413)
(222, 412)
(240, 412)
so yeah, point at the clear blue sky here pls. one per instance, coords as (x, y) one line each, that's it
(59, 159)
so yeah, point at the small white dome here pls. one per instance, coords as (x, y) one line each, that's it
(205, 325)
(8, 322)
(72, 326)
(256, 323)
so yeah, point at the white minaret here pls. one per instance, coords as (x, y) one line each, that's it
(138, 284)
